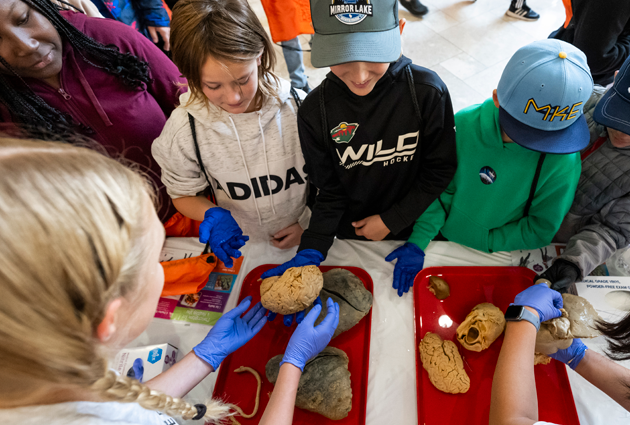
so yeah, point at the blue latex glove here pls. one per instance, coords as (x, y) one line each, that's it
(307, 341)
(573, 355)
(137, 370)
(410, 262)
(287, 319)
(222, 231)
(231, 332)
(308, 257)
(541, 298)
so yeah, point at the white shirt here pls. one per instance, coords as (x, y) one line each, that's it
(85, 413)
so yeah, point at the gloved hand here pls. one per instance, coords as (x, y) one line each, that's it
(410, 262)
(231, 332)
(573, 355)
(222, 231)
(541, 298)
(307, 257)
(562, 274)
(287, 319)
(137, 370)
(307, 341)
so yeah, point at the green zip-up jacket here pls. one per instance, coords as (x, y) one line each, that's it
(483, 207)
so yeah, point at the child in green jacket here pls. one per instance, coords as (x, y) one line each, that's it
(517, 163)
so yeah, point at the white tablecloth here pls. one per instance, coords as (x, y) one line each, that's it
(392, 387)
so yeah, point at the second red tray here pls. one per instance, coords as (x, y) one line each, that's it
(240, 389)
(471, 286)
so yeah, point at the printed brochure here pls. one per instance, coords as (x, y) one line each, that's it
(206, 306)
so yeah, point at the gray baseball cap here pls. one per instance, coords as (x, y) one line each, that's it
(353, 31)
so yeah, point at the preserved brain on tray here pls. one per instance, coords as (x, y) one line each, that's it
(324, 385)
(444, 365)
(348, 291)
(451, 379)
(294, 291)
(333, 386)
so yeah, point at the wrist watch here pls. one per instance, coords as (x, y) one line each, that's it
(516, 313)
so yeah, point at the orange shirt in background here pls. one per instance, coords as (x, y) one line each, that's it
(288, 18)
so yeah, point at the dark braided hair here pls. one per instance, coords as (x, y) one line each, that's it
(30, 109)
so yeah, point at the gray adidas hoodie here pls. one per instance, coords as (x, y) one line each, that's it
(254, 162)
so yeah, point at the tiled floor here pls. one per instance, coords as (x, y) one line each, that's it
(466, 43)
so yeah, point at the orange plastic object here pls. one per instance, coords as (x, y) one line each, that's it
(181, 226)
(288, 18)
(187, 276)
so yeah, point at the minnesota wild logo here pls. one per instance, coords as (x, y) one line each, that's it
(344, 132)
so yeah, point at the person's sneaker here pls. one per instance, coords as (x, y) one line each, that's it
(519, 10)
(415, 7)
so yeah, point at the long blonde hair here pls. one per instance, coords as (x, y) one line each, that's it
(227, 30)
(72, 239)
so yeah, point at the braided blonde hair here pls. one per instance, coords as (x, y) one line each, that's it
(121, 388)
(72, 239)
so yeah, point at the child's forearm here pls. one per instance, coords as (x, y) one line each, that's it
(279, 411)
(182, 377)
(193, 206)
(610, 377)
(514, 400)
(428, 225)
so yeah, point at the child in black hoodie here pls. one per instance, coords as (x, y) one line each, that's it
(377, 135)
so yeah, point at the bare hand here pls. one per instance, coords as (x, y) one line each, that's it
(165, 33)
(288, 237)
(371, 228)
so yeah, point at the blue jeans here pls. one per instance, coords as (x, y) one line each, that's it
(292, 52)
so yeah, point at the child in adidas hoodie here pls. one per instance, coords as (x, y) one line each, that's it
(245, 128)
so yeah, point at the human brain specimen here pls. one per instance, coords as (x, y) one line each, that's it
(349, 292)
(294, 291)
(444, 365)
(324, 386)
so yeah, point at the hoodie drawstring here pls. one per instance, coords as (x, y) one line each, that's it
(238, 139)
(262, 134)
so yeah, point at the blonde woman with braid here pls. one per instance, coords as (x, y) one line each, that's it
(80, 277)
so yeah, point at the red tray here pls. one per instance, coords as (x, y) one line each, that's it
(272, 340)
(471, 286)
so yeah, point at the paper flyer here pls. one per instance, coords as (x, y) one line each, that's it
(206, 306)
(541, 259)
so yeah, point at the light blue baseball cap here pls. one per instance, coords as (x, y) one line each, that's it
(354, 31)
(541, 94)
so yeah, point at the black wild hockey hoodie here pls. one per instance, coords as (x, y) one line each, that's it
(377, 157)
